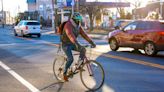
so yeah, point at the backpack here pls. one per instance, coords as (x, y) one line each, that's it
(61, 27)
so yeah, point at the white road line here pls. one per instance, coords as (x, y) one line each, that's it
(106, 88)
(7, 44)
(19, 78)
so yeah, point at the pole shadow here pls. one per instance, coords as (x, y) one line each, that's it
(58, 85)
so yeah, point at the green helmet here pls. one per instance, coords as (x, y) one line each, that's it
(77, 16)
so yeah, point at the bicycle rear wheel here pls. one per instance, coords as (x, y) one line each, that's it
(92, 75)
(58, 67)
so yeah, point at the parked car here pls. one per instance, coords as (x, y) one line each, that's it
(142, 34)
(27, 27)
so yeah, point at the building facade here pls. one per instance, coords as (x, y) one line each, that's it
(31, 5)
(5, 18)
(43, 7)
(156, 7)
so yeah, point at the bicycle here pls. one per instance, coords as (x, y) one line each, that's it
(90, 78)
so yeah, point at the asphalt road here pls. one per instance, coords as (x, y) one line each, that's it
(26, 66)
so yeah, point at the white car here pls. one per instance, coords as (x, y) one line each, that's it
(27, 27)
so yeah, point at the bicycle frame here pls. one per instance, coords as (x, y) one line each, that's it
(84, 68)
(84, 61)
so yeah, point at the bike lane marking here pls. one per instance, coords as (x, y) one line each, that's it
(19, 78)
(141, 62)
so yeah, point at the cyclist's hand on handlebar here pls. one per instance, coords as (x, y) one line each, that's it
(93, 45)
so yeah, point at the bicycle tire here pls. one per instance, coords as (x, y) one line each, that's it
(59, 63)
(90, 81)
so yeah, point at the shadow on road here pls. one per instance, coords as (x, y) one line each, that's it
(57, 85)
(123, 76)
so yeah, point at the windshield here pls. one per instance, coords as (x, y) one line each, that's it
(33, 23)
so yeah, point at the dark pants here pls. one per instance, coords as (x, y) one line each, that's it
(67, 48)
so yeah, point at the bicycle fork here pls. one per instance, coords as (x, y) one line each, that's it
(90, 71)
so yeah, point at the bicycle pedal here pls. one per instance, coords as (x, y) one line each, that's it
(60, 69)
(70, 76)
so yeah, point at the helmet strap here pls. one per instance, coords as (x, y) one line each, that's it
(77, 22)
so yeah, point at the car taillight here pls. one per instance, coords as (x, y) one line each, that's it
(26, 27)
(161, 33)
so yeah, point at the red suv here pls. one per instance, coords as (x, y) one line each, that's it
(141, 34)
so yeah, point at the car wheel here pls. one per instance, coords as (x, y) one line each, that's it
(113, 44)
(15, 34)
(39, 35)
(22, 34)
(150, 49)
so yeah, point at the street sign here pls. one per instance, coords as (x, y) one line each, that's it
(72, 3)
(65, 3)
(31, 1)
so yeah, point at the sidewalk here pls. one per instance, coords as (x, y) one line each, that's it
(7, 27)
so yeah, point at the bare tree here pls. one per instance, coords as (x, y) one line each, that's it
(121, 12)
(92, 10)
(135, 4)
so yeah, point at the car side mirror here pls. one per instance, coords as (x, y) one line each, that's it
(123, 30)
(117, 27)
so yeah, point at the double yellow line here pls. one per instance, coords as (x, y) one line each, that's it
(135, 61)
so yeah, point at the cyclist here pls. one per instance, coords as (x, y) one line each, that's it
(71, 30)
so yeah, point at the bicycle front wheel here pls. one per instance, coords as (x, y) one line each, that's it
(58, 67)
(92, 75)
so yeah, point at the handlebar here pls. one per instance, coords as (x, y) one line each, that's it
(88, 46)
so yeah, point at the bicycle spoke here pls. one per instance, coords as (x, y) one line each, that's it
(58, 67)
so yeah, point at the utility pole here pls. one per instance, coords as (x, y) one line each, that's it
(2, 14)
(77, 5)
(56, 16)
(73, 4)
(53, 16)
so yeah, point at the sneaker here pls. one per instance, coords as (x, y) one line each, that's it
(65, 77)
